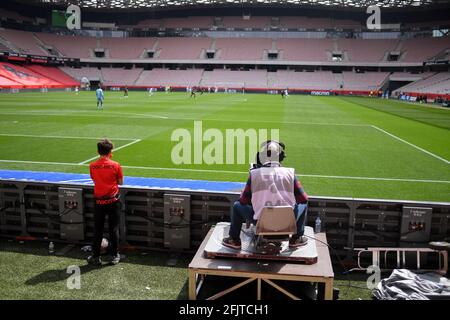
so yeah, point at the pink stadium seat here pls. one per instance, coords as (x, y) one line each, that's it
(242, 49)
(23, 41)
(366, 50)
(304, 49)
(240, 22)
(7, 83)
(14, 16)
(418, 50)
(120, 77)
(368, 81)
(317, 23)
(126, 48)
(235, 79)
(165, 77)
(438, 83)
(182, 48)
(26, 77)
(407, 76)
(79, 73)
(70, 46)
(189, 22)
(319, 80)
(4, 48)
(54, 74)
(151, 23)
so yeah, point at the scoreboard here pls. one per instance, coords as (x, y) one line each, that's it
(13, 56)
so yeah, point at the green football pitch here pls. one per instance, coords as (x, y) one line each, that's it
(339, 146)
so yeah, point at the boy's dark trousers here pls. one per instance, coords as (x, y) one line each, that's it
(101, 211)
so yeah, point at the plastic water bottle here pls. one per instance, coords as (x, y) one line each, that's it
(51, 248)
(318, 224)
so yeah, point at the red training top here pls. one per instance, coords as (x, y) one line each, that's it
(105, 173)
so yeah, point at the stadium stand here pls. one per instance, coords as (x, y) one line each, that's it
(305, 49)
(120, 77)
(7, 83)
(357, 50)
(22, 42)
(235, 79)
(438, 83)
(253, 22)
(69, 46)
(3, 47)
(319, 80)
(84, 72)
(414, 50)
(151, 23)
(182, 48)
(315, 49)
(54, 74)
(128, 48)
(368, 81)
(165, 77)
(242, 49)
(253, 79)
(241, 22)
(188, 48)
(7, 14)
(26, 77)
(316, 23)
(408, 76)
(427, 24)
(189, 22)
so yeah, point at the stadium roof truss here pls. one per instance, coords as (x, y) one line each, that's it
(136, 4)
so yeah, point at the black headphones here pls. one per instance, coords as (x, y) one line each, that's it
(265, 144)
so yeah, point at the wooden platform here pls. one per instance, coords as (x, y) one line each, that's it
(215, 249)
(261, 271)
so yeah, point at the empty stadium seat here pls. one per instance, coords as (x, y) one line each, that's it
(165, 77)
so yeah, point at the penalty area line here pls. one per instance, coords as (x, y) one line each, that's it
(60, 137)
(410, 144)
(115, 149)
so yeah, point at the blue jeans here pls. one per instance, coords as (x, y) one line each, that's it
(241, 213)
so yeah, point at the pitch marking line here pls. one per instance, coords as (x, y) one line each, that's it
(77, 180)
(115, 149)
(60, 137)
(85, 113)
(149, 116)
(410, 144)
(236, 172)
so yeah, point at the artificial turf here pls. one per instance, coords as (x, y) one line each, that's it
(28, 271)
(339, 146)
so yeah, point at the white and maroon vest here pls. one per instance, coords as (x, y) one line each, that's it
(272, 187)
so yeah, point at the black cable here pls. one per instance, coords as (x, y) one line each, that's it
(58, 221)
(346, 271)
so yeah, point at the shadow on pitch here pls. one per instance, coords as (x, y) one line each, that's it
(57, 275)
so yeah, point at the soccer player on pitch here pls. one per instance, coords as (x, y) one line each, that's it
(100, 97)
(107, 176)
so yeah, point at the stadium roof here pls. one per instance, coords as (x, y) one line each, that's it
(137, 4)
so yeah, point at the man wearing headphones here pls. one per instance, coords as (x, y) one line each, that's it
(269, 184)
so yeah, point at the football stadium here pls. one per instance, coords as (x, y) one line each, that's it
(251, 150)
